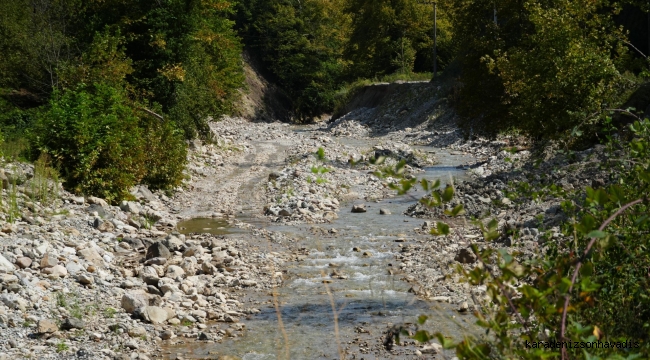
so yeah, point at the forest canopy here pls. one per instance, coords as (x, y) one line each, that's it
(540, 67)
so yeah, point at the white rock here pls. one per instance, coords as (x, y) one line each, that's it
(174, 272)
(134, 300)
(42, 248)
(56, 270)
(73, 268)
(6, 265)
(154, 314)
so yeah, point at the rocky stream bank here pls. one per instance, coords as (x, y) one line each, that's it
(80, 278)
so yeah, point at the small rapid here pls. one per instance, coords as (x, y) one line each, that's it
(352, 264)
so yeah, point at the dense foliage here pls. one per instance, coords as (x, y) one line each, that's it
(539, 66)
(591, 288)
(312, 48)
(103, 146)
(82, 67)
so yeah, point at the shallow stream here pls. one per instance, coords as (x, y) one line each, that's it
(370, 296)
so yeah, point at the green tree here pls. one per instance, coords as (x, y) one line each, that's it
(393, 35)
(544, 67)
(301, 45)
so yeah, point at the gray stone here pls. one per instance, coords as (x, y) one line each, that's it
(73, 268)
(149, 275)
(47, 326)
(154, 314)
(384, 212)
(85, 279)
(156, 250)
(134, 300)
(23, 262)
(6, 265)
(49, 260)
(361, 208)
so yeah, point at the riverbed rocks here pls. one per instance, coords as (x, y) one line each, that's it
(133, 281)
(79, 274)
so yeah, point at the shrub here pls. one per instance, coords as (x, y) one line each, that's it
(103, 144)
(591, 287)
(93, 136)
(167, 154)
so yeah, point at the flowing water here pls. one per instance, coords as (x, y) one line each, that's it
(371, 296)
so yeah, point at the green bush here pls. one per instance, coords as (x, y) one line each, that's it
(167, 154)
(103, 144)
(93, 136)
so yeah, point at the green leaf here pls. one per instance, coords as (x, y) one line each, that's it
(457, 210)
(421, 336)
(320, 154)
(587, 269)
(443, 228)
(425, 184)
(422, 319)
(448, 194)
(596, 234)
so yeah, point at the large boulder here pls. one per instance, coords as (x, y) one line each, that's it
(136, 299)
(154, 314)
(361, 208)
